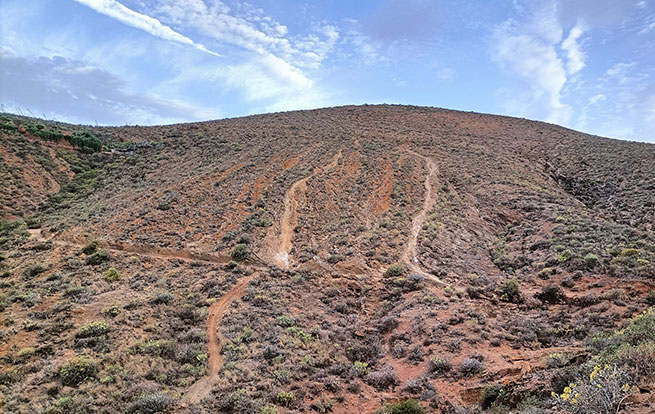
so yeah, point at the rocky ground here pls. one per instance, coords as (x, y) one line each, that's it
(357, 259)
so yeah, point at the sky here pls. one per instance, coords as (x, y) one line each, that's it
(584, 64)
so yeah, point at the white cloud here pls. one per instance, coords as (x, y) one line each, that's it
(532, 56)
(251, 29)
(140, 21)
(573, 50)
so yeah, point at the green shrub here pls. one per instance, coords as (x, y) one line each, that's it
(78, 370)
(640, 359)
(591, 259)
(95, 328)
(405, 407)
(285, 398)
(97, 258)
(90, 248)
(361, 368)
(285, 321)
(85, 140)
(510, 291)
(241, 252)
(395, 270)
(25, 353)
(268, 409)
(112, 275)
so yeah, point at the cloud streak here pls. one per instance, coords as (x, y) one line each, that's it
(118, 11)
(77, 91)
(573, 50)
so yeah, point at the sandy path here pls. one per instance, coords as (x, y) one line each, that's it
(289, 219)
(430, 198)
(203, 386)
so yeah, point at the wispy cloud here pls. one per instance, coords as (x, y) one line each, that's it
(573, 50)
(118, 11)
(533, 57)
(77, 91)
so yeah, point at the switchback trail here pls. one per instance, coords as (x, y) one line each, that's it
(430, 198)
(289, 219)
(216, 340)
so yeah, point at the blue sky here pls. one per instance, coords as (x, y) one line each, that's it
(584, 64)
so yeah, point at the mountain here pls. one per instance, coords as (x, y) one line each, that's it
(354, 259)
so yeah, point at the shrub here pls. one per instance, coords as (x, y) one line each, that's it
(285, 321)
(25, 353)
(557, 360)
(405, 407)
(603, 393)
(34, 270)
(97, 258)
(112, 275)
(161, 298)
(387, 323)
(471, 366)
(71, 405)
(95, 328)
(241, 252)
(639, 359)
(551, 294)
(268, 409)
(151, 403)
(361, 368)
(490, 393)
(510, 291)
(90, 248)
(395, 270)
(650, 298)
(285, 398)
(333, 258)
(77, 370)
(85, 140)
(439, 365)
(383, 378)
(591, 260)
(237, 402)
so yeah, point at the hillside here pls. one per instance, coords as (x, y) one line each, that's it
(337, 260)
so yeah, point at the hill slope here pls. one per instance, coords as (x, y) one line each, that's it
(385, 253)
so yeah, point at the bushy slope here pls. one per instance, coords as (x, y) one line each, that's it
(394, 253)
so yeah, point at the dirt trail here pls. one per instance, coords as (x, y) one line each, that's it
(203, 386)
(148, 251)
(289, 219)
(409, 254)
(216, 311)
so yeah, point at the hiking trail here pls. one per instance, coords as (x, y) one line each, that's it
(409, 254)
(289, 219)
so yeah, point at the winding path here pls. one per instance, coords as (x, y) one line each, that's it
(430, 198)
(215, 339)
